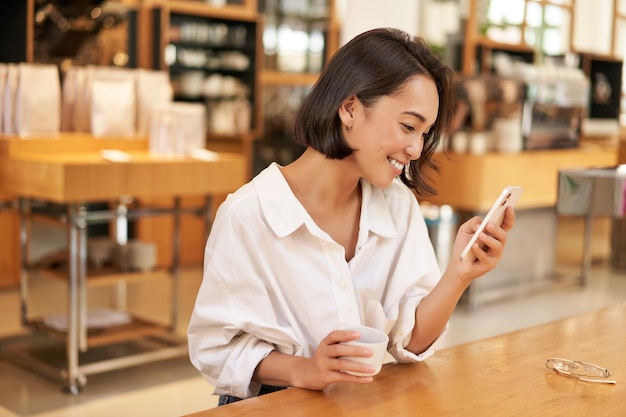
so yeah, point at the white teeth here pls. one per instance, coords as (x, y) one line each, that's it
(396, 164)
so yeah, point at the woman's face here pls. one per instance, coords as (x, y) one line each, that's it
(390, 133)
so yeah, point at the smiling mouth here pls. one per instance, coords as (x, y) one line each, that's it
(397, 165)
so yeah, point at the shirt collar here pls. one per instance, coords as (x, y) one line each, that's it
(281, 208)
(285, 214)
(375, 214)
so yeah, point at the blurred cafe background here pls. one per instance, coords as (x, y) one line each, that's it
(191, 98)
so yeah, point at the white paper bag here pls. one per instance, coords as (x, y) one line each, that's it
(153, 88)
(176, 129)
(38, 100)
(112, 108)
(125, 115)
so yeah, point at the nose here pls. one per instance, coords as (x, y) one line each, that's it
(414, 150)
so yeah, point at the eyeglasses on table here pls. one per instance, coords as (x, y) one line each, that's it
(583, 371)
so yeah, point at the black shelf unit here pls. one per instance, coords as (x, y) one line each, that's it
(211, 37)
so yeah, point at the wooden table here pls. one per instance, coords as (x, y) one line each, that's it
(500, 376)
(72, 172)
(472, 182)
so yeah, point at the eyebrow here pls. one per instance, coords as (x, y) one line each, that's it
(417, 115)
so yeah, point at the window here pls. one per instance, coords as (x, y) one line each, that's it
(543, 25)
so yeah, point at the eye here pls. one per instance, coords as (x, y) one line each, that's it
(409, 128)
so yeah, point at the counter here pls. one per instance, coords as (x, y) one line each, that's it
(472, 182)
(86, 176)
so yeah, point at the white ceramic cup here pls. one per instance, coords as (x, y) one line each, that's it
(142, 256)
(373, 339)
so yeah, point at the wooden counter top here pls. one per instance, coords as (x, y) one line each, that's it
(70, 168)
(500, 376)
(86, 176)
(472, 182)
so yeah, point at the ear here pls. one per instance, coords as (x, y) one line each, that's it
(347, 110)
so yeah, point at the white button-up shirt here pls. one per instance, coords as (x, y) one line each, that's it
(273, 280)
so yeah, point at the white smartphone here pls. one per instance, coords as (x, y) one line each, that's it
(508, 197)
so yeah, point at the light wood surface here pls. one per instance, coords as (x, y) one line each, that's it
(86, 176)
(500, 376)
(472, 182)
(65, 142)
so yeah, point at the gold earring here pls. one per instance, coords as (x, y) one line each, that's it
(348, 127)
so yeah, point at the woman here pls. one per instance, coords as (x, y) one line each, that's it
(336, 238)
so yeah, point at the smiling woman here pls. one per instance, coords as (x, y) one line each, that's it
(343, 237)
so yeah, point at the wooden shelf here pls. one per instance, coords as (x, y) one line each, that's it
(105, 276)
(488, 43)
(136, 329)
(199, 8)
(250, 135)
(287, 78)
(13, 145)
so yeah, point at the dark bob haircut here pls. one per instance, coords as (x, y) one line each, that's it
(375, 63)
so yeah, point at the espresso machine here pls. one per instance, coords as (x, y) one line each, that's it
(554, 106)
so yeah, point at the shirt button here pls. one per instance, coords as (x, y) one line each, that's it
(343, 286)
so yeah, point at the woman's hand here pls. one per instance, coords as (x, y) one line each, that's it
(324, 368)
(488, 248)
(327, 365)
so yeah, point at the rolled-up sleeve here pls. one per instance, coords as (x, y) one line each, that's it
(233, 326)
(224, 354)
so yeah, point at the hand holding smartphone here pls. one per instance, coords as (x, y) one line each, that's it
(508, 197)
